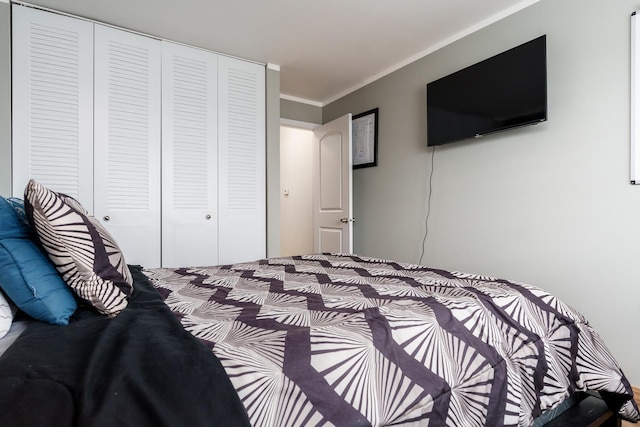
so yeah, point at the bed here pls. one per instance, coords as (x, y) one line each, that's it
(321, 339)
(348, 340)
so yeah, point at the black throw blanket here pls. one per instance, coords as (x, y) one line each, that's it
(140, 368)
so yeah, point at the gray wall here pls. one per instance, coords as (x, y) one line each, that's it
(300, 112)
(5, 100)
(549, 204)
(273, 161)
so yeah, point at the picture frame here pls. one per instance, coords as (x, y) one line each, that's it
(365, 139)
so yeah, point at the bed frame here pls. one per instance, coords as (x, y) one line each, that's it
(589, 412)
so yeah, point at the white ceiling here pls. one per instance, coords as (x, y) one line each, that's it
(324, 48)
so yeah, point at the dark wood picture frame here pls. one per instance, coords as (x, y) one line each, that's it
(365, 139)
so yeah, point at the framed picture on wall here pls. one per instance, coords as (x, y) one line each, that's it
(365, 139)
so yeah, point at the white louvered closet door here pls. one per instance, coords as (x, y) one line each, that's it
(52, 103)
(241, 163)
(127, 141)
(189, 157)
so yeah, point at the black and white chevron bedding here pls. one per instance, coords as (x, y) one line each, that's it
(346, 341)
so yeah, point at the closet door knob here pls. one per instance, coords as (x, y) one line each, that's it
(106, 217)
(208, 216)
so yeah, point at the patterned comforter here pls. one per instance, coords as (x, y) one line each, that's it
(346, 340)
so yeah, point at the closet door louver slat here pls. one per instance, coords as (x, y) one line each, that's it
(53, 103)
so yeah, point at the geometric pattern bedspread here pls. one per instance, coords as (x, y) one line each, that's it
(345, 340)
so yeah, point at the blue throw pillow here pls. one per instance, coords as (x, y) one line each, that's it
(11, 226)
(18, 207)
(27, 276)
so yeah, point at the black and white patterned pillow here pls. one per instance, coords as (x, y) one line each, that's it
(81, 249)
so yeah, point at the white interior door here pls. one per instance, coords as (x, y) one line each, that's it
(52, 103)
(332, 187)
(189, 156)
(127, 141)
(242, 211)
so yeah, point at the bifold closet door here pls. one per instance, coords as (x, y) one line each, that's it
(127, 141)
(189, 157)
(52, 103)
(241, 163)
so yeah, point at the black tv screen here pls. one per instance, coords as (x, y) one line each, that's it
(502, 92)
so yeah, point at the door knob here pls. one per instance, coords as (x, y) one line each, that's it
(106, 217)
(347, 220)
(207, 216)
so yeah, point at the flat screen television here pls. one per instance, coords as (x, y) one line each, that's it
(499, 93)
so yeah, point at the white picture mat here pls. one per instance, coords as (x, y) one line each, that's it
(635, 101)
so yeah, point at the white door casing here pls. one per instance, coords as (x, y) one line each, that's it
(332, 187)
